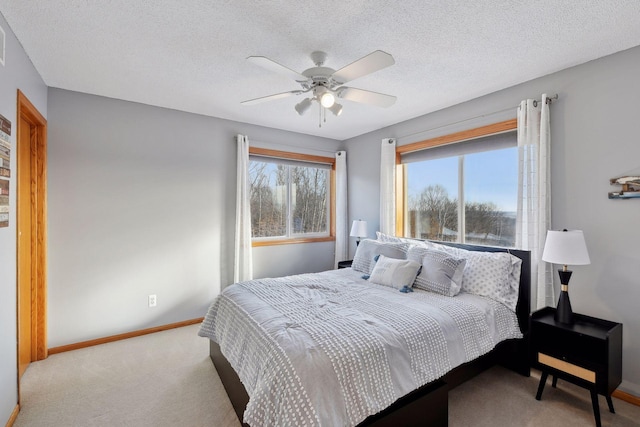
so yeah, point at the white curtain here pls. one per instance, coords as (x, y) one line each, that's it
(243, 264)
(534, 195)
(388, 187)
(342, 222)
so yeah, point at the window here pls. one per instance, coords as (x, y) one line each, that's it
(432, 199)
(464, 192)
(290, 197)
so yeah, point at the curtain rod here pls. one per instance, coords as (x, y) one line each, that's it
(535, 104)
(270, 144)
(455, 123)
(549, 100)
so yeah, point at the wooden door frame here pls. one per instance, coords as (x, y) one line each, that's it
(38, 164)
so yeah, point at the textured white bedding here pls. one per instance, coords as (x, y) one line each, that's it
(331, 348)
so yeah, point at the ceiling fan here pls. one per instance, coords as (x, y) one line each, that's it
(325, 85)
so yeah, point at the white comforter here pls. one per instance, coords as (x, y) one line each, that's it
(331, 349)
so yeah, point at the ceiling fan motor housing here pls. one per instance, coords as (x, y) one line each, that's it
(320, 76)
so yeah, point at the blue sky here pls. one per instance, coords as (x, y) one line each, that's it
(490, 176)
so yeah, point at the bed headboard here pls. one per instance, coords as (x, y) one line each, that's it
(523, 308)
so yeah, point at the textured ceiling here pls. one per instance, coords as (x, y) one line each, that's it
(190, 55)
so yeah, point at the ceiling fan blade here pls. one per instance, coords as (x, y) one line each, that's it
(270, 65)
(371, 63)
(366, 96)
(271, 97)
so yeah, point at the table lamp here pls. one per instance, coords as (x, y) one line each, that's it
(566, 248)
(358, 229)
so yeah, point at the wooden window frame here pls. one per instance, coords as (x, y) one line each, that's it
(465, 135)
(277, 154)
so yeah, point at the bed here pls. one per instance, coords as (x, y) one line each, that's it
(337, 348)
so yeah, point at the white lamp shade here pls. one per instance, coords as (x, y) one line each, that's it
(336, 109)
(566, 248)
(302, 106)
(358, 228)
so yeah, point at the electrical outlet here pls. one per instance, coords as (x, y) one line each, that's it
(152, 300)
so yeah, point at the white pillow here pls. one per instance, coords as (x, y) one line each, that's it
(493, 274)
(395, 273)
(369, 249)
(460, 253)
(386, 238)
(441, 272)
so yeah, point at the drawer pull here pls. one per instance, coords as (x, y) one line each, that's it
(567, 367)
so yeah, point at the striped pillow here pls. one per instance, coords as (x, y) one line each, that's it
(441, 272)
(368, 249)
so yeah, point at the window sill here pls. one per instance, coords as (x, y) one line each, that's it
(292, 241)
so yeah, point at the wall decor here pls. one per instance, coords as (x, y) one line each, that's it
(4, 202)
(630, 187)
(5, 169)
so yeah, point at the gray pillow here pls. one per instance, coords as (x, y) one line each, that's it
(441, 272)
(368, 249)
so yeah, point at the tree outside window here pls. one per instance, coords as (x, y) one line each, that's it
(288, 200)
(489, 192)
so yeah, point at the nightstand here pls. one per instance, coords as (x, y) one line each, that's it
(345, 264)
(587, 353)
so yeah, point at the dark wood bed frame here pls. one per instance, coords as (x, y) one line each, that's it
(426, 406)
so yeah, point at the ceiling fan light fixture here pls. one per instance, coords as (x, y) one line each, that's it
(302, 106)
(327, 99)
(336, 109)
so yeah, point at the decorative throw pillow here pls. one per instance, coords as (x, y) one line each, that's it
(395, 273)
(368, 249)
(441, 272)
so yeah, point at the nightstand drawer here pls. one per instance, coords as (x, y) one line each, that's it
(569, 368)
(569, 345)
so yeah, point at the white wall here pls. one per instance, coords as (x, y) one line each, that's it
(594, 137)
(17, 73)
(142, 201)
(278, 261)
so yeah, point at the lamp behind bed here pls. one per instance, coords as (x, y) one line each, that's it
(358, 230)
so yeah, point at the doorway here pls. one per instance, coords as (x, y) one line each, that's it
(31, 229)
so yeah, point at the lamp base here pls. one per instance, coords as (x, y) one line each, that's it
(564, 314)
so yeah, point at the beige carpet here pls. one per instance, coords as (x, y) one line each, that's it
(161, 379)
(167, 379)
